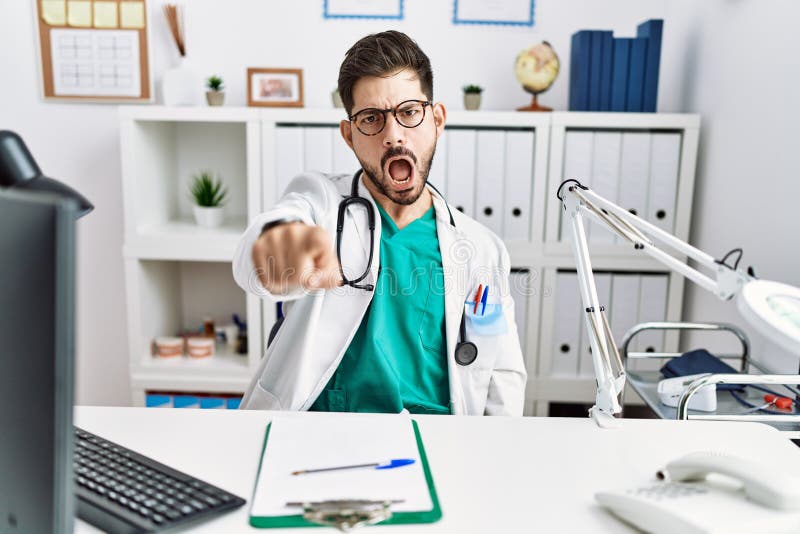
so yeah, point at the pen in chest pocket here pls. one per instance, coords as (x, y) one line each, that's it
(480, 299)
(477, 299)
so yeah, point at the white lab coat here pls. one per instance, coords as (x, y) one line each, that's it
(319, 325)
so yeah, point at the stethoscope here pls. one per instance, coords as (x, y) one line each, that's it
(466, 351)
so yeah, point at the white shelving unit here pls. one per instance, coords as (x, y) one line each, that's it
(169, 260)
(176, 272)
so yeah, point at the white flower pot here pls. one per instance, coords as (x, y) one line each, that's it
(337, 99)
(209, 217)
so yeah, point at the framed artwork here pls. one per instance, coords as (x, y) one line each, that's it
(507, 12)
(275, 87)
(363, 9)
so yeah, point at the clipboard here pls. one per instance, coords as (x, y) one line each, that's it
(301, 519)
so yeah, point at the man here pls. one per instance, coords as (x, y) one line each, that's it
(394, 326)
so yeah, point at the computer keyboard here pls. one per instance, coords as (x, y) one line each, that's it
(119, 490)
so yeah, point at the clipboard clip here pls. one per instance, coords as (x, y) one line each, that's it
(346, 514)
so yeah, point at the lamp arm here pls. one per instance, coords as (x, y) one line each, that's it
(727, 281)
(578, 200)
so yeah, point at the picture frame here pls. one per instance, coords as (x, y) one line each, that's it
(506, 13)
(271, 87)
(361, 9)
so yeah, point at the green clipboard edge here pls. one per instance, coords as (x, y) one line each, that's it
(399, 518)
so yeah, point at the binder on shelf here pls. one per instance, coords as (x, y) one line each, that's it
(634, 173)
(567, 329)
(619, 76)
(521, 288)
(651, 30)
(517, 204)
(665, 155)
(318, 149)
(652, 307)
(606, 69)
(185, 401)
(289, 160)
(344, 161)
(602, 282)
(577, 165)
(580, 57)
(212, 403)
(638, 57)
(158, 400)
(438, 173)
(461, 152)
(292, 445)
(595, 69)
(623, 311)
(607, 147)
(490, 179)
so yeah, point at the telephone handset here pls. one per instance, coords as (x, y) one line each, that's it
(692, 497)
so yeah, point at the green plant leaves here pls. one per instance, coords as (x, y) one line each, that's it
(207, 190)
(215, 83)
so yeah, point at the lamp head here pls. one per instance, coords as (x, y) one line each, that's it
(19, 170)
(773, 309)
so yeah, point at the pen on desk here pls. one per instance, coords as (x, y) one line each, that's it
(483, 300)
(477, 299)
(390, 464)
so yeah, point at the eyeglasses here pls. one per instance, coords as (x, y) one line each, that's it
(408, 114)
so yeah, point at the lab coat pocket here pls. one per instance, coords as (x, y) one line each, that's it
(486, 322)
(475, 380)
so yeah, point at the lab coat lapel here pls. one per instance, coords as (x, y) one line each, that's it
(456, 266)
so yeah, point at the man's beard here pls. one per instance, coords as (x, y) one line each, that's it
(423, 171)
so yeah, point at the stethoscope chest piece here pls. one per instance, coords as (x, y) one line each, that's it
(466, 352)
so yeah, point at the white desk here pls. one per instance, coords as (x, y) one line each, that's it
(492, 474)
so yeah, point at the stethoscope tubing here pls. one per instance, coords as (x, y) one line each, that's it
(466, 352)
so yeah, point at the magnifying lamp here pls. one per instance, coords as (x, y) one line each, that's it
(19, 170)
(772, 308)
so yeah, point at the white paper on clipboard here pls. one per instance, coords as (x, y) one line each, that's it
(299, 443)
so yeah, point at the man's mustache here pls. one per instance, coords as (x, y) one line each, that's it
(397, 151)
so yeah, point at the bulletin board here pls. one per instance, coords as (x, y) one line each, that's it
(94, 50)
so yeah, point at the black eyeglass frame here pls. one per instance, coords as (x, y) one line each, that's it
(425, 104)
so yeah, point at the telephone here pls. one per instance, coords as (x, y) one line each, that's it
(705, 492)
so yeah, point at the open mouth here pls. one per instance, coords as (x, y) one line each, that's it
(400, 170)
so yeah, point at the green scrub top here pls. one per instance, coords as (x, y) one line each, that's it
(398, 357)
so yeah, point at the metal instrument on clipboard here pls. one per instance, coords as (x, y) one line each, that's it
(348, 514)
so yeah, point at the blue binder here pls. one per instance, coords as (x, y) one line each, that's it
(619, 75)
(595, 66)
(606, 69)
(636, 67)
(652, 30)
(579, 71)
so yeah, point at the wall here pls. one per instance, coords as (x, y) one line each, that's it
(741, 80)
(725, 59)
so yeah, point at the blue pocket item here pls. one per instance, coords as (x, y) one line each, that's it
(491, 323)
(700, 361)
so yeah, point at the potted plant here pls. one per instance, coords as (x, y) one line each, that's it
(208, 194)
(472, 96)
(337, 99)
(215, 94)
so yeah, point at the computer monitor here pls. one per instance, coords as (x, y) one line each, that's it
(37, 315)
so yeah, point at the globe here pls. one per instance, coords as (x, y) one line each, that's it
(536, 69)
